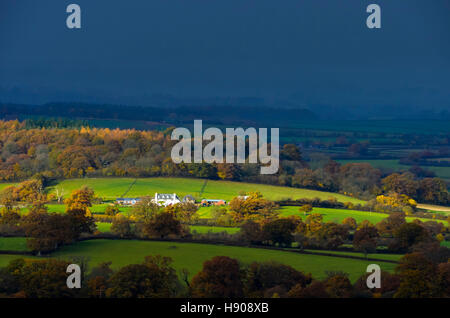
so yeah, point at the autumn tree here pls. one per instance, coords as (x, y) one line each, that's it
(389, 225)
(330, 235)
(306, 208)
(112, 210)
(314, 222)
(365, 239)
(433, 190)
(254, 207)
(46, 232)
(316, 289)
(291, 152)
(144, 210)
(388, 285)
(221, 217)
(350, 223)
(185, 212)
(265, 278)
(393, 202)
(9, 221)
(42, 278)
(122, 226)
(433, 251)
(79, 222)
(279, 231)
(229, 171)
(359, 179)
(338, 285)
(401, 183)
(80, 199)
(444, 279)
(408, 235)
(251, 232)
(162, 225)
(155, 278)
(418, 277)
(221, 277)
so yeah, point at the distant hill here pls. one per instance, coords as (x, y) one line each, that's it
(219, 115)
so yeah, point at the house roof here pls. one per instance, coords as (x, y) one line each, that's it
(128, 199)
(166, 196)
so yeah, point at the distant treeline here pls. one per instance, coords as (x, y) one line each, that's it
(213, 114)
(43, 122)
(95, 152)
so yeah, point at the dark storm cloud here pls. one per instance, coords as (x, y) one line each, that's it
(308, 51)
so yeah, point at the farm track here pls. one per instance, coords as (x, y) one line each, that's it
(129, 188)
(203, 187)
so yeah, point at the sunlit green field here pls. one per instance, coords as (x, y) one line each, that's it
(329, 215)
(5, 185)
(13, 244)
(5, 259)
(391, 257)
(200, 229)
(338, 215)
(112, 188)
(192, 256)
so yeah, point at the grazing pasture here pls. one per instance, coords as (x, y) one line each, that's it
(192, 255)
(338, 215)
(13, 244)
(329, 215)
(446, 244)
(112, 188)
(391, 257)
(200, 229)
(5, 259)
(5, 185)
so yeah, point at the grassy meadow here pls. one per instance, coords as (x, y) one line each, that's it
(112, 188)
(192, 256)
(13, 244)
(338, 215)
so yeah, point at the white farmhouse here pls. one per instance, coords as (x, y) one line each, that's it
(166, 199)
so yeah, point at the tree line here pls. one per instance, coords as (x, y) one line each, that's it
(55, 153)
(418, 275)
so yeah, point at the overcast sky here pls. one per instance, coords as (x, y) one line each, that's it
(307, 51)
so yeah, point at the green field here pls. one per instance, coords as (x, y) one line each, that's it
(202, 229)
(329, 215)
(391, 257)
(192, 256)
(4, 185)
(13, 244)
(338, 215)
(112, 188)
(5, 259)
